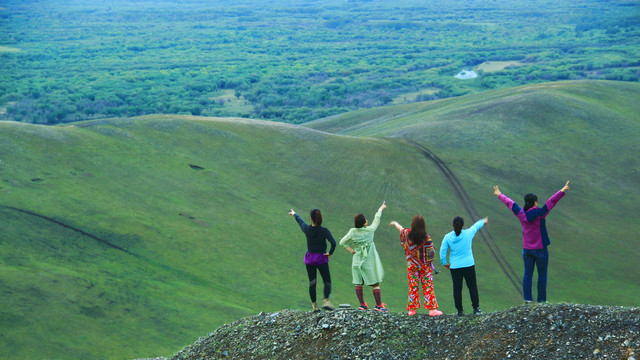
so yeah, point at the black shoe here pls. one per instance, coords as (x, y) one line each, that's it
(460, 313)
(477, 311)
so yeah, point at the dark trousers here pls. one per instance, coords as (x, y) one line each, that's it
(469, 275)
(538, 258)
(326, 278)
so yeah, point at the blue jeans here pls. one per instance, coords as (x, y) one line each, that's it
(540, 259)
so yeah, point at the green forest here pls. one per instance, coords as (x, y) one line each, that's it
(295, 61)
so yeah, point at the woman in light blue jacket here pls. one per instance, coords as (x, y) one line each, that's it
(461, 262)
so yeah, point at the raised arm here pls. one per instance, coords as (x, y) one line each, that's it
(505, 199)
(398, 226)
(478, 225)
(303, 225)
(549, 204)
(376, 219)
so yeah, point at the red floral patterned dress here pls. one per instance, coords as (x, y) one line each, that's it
(419, 258)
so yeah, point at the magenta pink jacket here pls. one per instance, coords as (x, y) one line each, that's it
(534, 228)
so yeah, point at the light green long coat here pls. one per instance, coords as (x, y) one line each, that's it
(365, 266)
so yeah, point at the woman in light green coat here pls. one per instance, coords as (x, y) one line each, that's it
(366, 267)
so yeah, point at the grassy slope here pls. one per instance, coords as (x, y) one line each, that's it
(203, 247)
(208, 246)
(532, 139)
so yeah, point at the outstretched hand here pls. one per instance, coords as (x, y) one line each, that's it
(292, 212)
(396, 224)
(383, 206)
(496, 191)
(565, 187)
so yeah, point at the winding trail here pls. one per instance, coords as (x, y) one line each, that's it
(473, 213)
(193, 278)
(70, 228)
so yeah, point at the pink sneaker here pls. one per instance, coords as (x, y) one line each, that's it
(435, 312)
(412, 312)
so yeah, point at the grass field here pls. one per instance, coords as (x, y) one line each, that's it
(411, 97)
(491, 66)
(127, 238)
(229, 100)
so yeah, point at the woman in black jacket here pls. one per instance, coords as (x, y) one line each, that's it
(317, 257)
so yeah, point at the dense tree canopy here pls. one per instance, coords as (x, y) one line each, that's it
(294, 61)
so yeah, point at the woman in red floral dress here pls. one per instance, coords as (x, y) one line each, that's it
(419, 251)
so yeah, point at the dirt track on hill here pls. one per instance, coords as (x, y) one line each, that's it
(462, 195)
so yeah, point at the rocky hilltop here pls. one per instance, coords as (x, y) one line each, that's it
(550, 331)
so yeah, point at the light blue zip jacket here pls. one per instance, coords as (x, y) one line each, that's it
(461, 254)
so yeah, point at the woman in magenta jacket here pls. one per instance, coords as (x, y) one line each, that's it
(534, 238)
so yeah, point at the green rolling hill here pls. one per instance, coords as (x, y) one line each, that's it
(532, 139)
(126, 238)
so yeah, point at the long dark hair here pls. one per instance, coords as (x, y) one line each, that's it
(316, 217)
(458, 223)
(418, 230)
(359, 221)
(530, 201)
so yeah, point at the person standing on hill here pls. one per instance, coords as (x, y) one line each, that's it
(535, 239)
(461, 261)
(366, 267)
(317, 257)
(419, 252)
